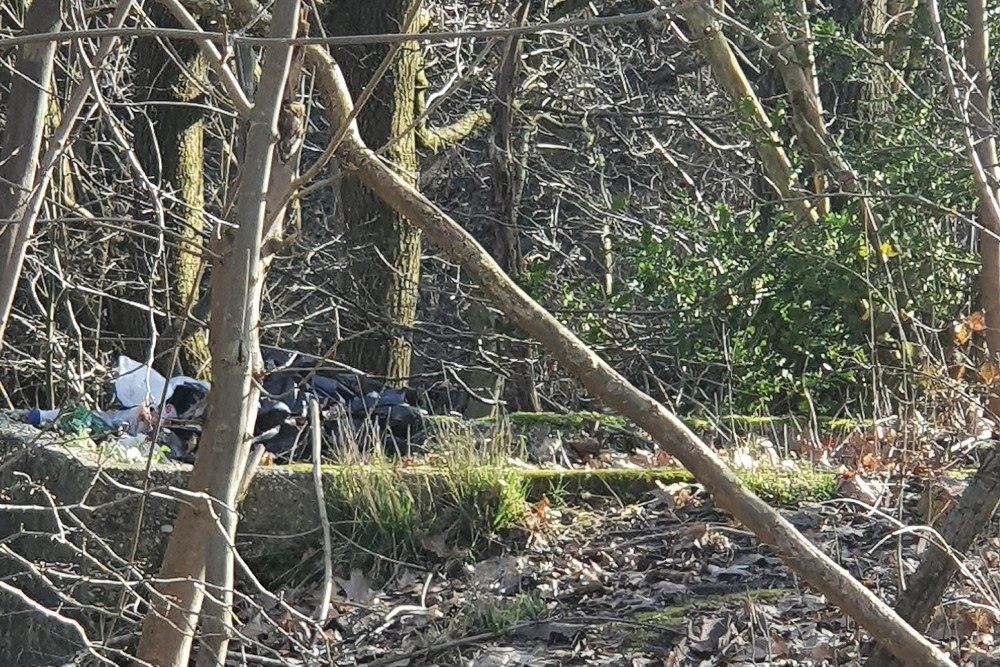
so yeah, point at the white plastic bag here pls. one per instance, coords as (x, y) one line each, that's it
(138, 384)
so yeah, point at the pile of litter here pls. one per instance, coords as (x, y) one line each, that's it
(355, 411)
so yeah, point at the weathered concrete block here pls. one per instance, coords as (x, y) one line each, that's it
(98, 505)
(76, 515)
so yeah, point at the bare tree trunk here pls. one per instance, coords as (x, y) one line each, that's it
(522, 390)
(981, 497)
(237, 277)
(856, 100)
(383, 262)
(616, 392)
(22, 142)
(985, 143)
(169, 144)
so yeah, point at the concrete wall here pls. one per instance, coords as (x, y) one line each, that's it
(99, 505)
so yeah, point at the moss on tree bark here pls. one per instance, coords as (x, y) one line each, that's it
(169, 140)
(383, 262)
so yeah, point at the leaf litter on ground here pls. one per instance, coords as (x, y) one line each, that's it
(669, 581)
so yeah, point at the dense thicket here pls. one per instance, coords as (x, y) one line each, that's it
(643, 218)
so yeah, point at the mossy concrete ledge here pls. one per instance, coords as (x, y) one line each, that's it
(98, 503)
(278, 512)
(56, 500)
(278, 515)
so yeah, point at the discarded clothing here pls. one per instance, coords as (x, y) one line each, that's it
(138, 384)
(356, 411)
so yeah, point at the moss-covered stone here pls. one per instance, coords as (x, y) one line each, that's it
(612, 430)
(756, 424)
(520, 423)
(784, 487)
(789, 487)
(570, 420)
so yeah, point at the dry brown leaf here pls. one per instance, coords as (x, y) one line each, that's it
(356, 588)
(674, 495)
(989, 372)
(584, 448)
(693, 533)
(663, 460)
(438, 545)
(854, 486)
(976, 620)
(541, 510)
(870, 462)
(779, 646)
(960, 333)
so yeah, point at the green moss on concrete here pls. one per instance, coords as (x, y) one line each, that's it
(840, 425)
(393, 510)
(570, 420)
(697, 424)
(753, 421)
(445, 431)
(388, 511)
(781, 486)
(384, 508)
(746, 424)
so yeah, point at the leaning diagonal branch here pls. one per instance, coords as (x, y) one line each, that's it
(731, 77)
(616, 392)
(225, 74)
(611, 387)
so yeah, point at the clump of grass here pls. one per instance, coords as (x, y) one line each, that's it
(486, 440)
(385, 511)
(503, 614)
(445, 432)
(486, 497)
(376, 513)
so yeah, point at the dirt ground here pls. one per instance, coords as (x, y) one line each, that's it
(670, 581)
